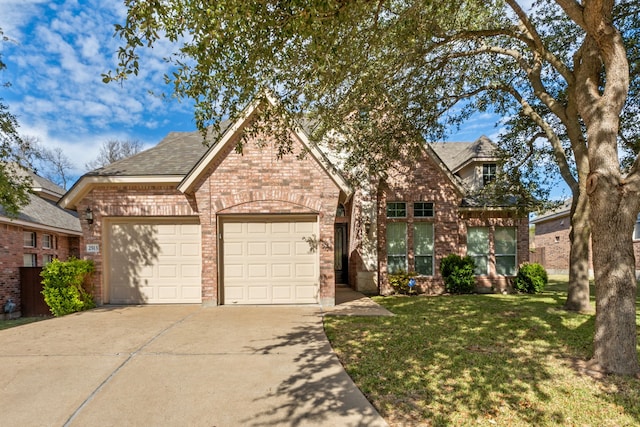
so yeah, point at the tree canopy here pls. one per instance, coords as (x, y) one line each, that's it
(377, 77)
(14, 186)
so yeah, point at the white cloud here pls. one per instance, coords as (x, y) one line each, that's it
(55, 65)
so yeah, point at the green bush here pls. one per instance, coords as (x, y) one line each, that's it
(400, 282)
(457, 273)
(65, 286)
(531, 278)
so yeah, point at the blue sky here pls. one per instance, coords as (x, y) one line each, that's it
(55, 57)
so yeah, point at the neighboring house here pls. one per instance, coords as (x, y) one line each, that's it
(183, 223)
(41, 232)
(552, 244)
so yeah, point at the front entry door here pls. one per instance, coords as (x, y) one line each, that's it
(341, 258)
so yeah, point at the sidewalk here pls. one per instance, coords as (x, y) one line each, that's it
(353, 303)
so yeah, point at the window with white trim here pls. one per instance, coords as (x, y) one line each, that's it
(30, 260)
(29, 239)
(478, 249)
(636, 229)
(47, 241)
(46, 259)
(396, 247)
(505, 248)
(423, 248)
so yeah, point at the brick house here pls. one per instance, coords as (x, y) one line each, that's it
(183, 223)
(551, 240)
(41, 232)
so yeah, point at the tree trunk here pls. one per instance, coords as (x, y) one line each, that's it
(580, 238)
(612, 219)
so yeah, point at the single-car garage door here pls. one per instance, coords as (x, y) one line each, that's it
(270, 260)
(154, 261)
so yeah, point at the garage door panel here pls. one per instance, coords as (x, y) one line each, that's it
(281, 271)
(257, 271)
(256, 248)
(302, 248)
(281, 248)
(278, 266)
(257, 228)
(157, 261)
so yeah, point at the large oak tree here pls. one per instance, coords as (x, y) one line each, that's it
(14, 185)
(376, 77)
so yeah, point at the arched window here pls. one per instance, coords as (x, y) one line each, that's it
(340, 212)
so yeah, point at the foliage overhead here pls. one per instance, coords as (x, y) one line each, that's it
(14, 184)
(380, 75)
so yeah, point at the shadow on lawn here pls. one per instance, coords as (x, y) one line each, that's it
(454, 359)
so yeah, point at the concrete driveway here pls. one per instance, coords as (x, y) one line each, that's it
(177, 365)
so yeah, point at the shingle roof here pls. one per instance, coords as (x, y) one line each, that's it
(456, 154)
(45, 212)
(563, 210)
(176, 154)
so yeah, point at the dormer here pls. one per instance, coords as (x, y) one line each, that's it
(475, 163)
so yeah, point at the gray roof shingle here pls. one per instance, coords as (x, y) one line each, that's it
(176, 154)
(456, 154)
(45, 212)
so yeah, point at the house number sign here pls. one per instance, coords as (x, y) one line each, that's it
(93, 249)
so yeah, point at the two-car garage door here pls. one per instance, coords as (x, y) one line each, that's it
(263, 260)
(270, 260)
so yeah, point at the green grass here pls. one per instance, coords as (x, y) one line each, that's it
(10, 323)
(506, 360)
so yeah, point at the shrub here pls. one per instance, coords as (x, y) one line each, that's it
(65, 286)
(531, 278)
(458, 274)
(400, 282)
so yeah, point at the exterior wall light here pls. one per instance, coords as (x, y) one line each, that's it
(88, 215)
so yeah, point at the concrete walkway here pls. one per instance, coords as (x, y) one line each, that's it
(178, 365)
(352, 303)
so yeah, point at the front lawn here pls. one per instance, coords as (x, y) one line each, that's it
(505, 360)
(10, 323)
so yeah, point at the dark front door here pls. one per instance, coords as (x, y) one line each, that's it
(341, 248)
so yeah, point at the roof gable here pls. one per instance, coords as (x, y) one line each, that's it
(456, 155)
(229, 136)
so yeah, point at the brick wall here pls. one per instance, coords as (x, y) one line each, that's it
(254, 182)
(424, 180)
(258, 182)
(12, 252)
(553, 236)
(117, 201)
(420, 181)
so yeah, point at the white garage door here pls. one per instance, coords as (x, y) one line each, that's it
(270, 261)
(154, 262)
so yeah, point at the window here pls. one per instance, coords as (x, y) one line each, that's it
(423, 247)
(505, 243)
(29, 239)
(636, 229)
(478, 249)
(340, 212)
(396, 210)
(488, 173)
(46, 259)
(396, 247)
(30, 260)
(423, 210)
(47, 241)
